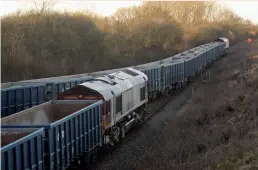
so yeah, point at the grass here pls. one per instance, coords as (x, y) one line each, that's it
(217, 128)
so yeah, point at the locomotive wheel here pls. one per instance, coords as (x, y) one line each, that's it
(151, 96)
(188, 80)
(166, 92)
(159, 94)
(170, 91)
(176, 86)
(181, 85)
(144, 113)
(154, 95)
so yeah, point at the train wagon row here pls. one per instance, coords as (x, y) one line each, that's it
(173, 71)
(18, 96)
(99, 111)
(83, 119)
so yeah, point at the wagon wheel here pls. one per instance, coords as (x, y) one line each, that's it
(159, 94)
(143, 115)
(166, 92)
(150, 96)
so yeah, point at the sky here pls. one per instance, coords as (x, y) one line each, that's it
(246, 9)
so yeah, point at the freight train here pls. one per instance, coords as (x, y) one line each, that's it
(18, 96)
(124, 95)
(98, 112)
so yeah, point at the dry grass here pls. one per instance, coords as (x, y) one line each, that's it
(217, 129)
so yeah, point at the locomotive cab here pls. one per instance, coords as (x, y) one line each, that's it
(125, 97)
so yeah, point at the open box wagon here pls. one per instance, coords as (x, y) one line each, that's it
(22, 148)
(16, 96)
(72, 128)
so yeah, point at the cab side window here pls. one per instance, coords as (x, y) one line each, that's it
(142, 93)
(118, 103)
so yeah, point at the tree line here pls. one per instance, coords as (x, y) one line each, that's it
(43, 43)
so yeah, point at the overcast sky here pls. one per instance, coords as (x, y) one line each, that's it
(246, 9)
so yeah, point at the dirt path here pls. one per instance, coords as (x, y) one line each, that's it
(217, 128)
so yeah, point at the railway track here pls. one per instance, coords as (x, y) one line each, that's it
(148, 157)
(154, 107)
(157, 104)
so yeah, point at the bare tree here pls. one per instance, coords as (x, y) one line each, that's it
(44, 6)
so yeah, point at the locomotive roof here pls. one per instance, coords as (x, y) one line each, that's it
(105, 72)
(116, 83)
